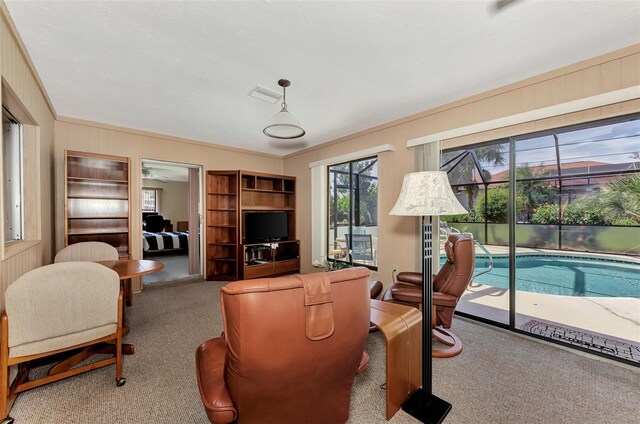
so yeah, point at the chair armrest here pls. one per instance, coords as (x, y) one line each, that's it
(414, 278)
(210, 357)
(406, 293)
(364, 360)
(443, 299)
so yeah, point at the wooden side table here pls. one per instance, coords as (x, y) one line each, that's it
(401, 326)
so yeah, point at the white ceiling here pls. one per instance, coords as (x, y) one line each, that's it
(168, 171)
(185, 68)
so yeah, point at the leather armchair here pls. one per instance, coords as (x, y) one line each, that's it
(448, 286)
(290, 350)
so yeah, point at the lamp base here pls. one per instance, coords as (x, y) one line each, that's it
(427, 408)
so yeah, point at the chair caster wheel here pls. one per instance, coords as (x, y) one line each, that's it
(120, 382)
(7, 420)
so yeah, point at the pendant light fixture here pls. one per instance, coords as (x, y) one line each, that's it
(284, 125)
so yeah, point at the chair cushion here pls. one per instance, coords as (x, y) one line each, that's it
(62, 342)
(210, 357)
(406, 293)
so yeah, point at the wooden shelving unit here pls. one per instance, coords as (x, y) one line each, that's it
(230, 194)
(97, 195)
(222, 229)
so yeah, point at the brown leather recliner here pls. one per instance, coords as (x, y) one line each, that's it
(290, 350)
(448, 286)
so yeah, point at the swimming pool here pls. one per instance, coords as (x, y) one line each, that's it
(564, 275)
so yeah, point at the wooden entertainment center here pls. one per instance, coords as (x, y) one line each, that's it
(230, 196)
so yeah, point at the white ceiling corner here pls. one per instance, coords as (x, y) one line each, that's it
(185, 68)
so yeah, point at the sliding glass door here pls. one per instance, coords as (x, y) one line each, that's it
(353, 213)
(577, 276)
(559, 213)
(479, 177)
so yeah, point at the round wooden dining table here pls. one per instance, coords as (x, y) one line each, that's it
(130, 268)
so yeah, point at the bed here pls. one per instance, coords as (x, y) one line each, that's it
(165, 241)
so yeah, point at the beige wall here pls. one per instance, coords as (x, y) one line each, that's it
(73, 134)
(398, 237)
(174, 199)
(17, 74)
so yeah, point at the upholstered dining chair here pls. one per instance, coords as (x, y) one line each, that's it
(290, 350)
(55, 309)
(448, 287)
(89, 251)
(93, 251)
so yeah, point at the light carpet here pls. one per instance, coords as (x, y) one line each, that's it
(498, 378)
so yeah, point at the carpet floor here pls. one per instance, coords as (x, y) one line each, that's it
(499, 377)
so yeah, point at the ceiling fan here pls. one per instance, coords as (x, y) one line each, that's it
(146, 173)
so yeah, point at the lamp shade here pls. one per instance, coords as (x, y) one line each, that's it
(284, 125)
(427, 193)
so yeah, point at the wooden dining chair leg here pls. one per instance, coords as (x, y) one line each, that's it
(119, 379)
(4, 372)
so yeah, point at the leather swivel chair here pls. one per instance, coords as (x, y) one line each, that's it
(448, 286)
(290, 350)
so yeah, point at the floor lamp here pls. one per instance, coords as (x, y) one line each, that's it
(427, 194)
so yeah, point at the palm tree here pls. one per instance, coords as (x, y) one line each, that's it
(622, 197)
(534, 193)
(466, 168)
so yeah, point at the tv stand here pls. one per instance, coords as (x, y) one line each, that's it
(271, 259)
(229, 195)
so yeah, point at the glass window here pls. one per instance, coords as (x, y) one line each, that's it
(353, 212)
(12, 178)
(150, 200)
(600, 149)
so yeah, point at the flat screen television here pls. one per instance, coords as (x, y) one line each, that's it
(265, 226)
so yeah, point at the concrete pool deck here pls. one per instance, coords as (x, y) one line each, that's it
(617, 317)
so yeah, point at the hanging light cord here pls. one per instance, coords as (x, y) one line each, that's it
(284, 98)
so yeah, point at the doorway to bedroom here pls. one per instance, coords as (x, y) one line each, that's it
(171, 216)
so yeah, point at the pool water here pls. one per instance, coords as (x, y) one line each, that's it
(564, 275)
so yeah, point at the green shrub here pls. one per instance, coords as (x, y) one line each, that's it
(465, 217)
(585, 211)
(546, 214)
(630, 222)
(497, 205)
